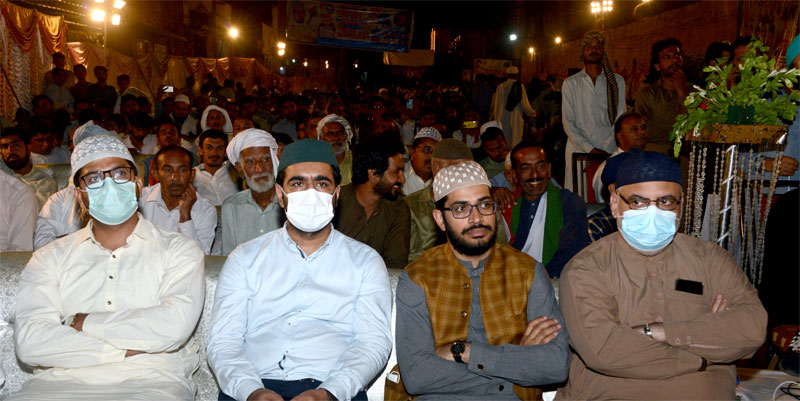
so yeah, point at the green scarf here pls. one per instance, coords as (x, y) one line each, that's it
(553, 222)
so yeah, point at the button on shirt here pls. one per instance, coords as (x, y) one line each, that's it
(200, 228)
(243, 220)
(282, 315)
(214, 187)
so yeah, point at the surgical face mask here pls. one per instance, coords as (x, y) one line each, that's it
(309, 210)
(650, 229)
(112, 203)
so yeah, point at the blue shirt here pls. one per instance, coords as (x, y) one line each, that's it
(287, 127)
(282, 315)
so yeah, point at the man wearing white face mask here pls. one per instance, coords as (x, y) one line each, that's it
(105, 312)
(303, 312)
(652, 314)
(254, 211)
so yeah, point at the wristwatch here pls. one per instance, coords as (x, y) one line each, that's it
(647, 330)
(457, 349)
(331, 397)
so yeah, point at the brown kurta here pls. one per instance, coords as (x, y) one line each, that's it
(608, 288)
(387, 230)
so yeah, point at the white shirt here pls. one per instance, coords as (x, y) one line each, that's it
(145, 296)
(242, 219)
(17, 214)
(597, 182)
(149, 144)
(584, 110)
(58, 217)
(57, 155)
(200, 228)
(283, 315)
(472, 143)
(188, 127)
(215, 188)
(413, 182)
(60, 96)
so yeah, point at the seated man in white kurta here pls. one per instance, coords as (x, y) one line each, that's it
(105, 312)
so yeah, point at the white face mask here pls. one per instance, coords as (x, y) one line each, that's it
(309, 210)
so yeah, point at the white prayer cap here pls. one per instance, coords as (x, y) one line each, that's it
(458, 176)
(183, 99)
(333, 118)
(228, 128)
(90, 129)
(98, 147)
(253, 138)
(429, 132)
(490, 124)
(512, 70)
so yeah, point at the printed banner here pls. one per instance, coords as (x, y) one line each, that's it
(346, 25)
(490, 66)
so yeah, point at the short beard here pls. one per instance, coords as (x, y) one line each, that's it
(259, 186)
(386, 190)
(461, 246)
(19, 164)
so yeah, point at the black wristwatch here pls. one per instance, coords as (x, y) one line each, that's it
(457, 349)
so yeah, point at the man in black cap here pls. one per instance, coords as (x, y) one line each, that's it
(652, 314)
(603, 222)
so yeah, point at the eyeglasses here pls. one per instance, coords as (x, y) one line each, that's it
(464, 210)
(637, 202)
(120, 175)
(428, 150)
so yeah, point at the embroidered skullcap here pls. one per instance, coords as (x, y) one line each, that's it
(641, 166)
(95, 148)
(182, 99)
(792, 51)
(609, 175)
(307, 150)
(228, 128)
(457, 176)
(253, 138)
(90, 129)
(491, 124)
(429, 132)
(333, 118)
(512, 70)
(451, 149)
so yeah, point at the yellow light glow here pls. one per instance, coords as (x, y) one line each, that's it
(513, 37)
(98, 15)
(305, 63)
(281, 45)
(233, 32)
(530, 50)
(281, 52)
(99, 1)
(115, 19)
(595, 7)
(558, 39)
(118, 4)
(355, 65)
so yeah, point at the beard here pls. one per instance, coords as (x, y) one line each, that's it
(339, 147)
(460, 244)
(389, 191)
(16, 163)
(260, 186)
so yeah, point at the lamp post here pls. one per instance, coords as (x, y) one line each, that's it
(601, 7)
(233, 32)
(102, 9)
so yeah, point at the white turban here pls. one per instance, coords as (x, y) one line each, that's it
(253, 138)
(228, 128)
(182, 99)
(490, 124)
(98, 147)
(88, 130)
(333, 118)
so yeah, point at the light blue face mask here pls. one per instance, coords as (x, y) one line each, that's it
(649, 229)
(112, 203)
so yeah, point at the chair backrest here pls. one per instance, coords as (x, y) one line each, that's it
(584, 165)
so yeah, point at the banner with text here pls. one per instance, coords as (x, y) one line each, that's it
(347, 25)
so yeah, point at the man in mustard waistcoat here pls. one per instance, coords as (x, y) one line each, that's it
(476, 319)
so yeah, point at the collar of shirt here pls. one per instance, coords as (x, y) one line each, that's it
(141, 230)
(155, 196)
(249, 199)
(294, 247)
(474, 271)
(588, 79)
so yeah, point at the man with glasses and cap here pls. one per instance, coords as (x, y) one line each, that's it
(418, 168)
(476, 319)
(651, 313)
(105, 312)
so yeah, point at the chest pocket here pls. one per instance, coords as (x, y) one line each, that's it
(683, 306)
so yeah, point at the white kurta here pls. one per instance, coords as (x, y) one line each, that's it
(58, 217)
(513, 124)
(413, 182)
(17, 214)
(57, 155)
(597, 182)
(217, 187)
(200, 228)
(145, 296)
(584, 112)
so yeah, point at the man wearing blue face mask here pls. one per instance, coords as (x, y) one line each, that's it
(302, 312)
(652, 314)
(105, 312)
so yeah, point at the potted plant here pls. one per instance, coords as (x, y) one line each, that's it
(757, 98)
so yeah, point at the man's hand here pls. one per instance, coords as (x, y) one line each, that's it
(504, 198)
(132, 353)
(443, 351)
(312, 395)
(188, 199)
(540, 331)
(77, 324)
(788, 165)
(720, 304)
(266, 395)
(679, 82)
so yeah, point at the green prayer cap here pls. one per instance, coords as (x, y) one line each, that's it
(307, 150)
(452, 149)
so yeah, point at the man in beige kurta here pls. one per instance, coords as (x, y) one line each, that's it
(652, 314)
